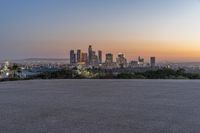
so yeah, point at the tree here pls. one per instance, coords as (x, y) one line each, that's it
(15, 69)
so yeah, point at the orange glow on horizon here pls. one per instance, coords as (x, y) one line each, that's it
(163, 51)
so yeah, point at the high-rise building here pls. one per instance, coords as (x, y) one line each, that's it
(90, 54)
(153, 61)
(109, 58)
(109, 64)
(79, 55)
(84, 58)
(140, 61)
(94, 61)
(121, 61)
(100, 56)
(93, 53)
(72, 57)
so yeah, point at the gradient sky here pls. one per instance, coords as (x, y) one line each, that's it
(167, 29)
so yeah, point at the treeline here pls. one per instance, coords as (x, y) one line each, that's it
(164, 73)
(61, 74)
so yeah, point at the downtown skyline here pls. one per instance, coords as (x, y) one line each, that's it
(168, 30)
(93, 58)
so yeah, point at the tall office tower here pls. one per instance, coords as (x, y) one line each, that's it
(78, 55)
(84, 58)
(93, 53)
(153, 61)
(100, 56)
(90, 55)
(94, 61)
(121, 61)
(109, 58)
(72, 57)
(140, 61)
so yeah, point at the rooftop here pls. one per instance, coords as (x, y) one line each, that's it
(100, 106)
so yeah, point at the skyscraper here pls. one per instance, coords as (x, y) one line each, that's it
(153, 61)
(90, 55)
(140, 61)
(100, 56)
(93, 53)
(84, 58)
(72, 57)
(121, 61)
(79, 55)
(109, 64)
(94, 61)
(109, 58)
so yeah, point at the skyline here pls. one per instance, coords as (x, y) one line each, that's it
(92, 58)
(168, 30)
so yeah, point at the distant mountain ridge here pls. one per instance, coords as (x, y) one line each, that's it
(42, 60)
(56, 59)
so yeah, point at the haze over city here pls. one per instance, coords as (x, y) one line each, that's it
(168, 29)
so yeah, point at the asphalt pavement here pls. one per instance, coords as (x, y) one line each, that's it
(100, 106)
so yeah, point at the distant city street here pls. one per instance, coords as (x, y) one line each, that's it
(100, 106)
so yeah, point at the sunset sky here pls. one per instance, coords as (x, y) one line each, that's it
(167, 29)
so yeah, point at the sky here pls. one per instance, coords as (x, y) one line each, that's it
(167, 29)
